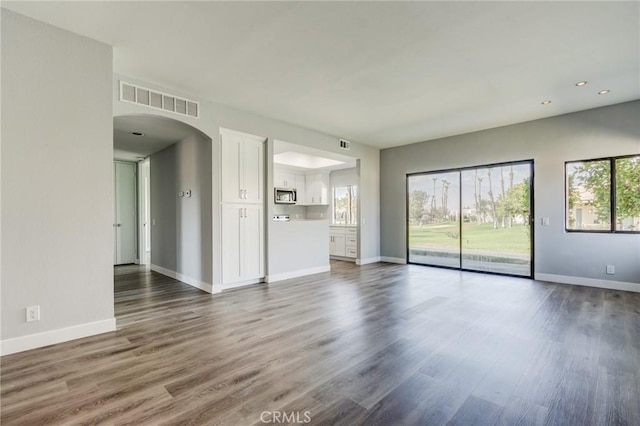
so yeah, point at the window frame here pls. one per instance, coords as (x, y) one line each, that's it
(612, 196)
(531, 224)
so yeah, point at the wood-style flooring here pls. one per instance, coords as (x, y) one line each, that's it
(376, 344)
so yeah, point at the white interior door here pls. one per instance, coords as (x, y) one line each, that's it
(125, 213)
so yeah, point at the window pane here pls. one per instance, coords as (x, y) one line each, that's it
(353, 205)
(433, 216)
(496, 230)
(345, 205)
(628, 193)
(588, 195)
(340, 205)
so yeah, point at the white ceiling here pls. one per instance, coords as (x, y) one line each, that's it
(158, 134)
(303, 158)
(381, 73)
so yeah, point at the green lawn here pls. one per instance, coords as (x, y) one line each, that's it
(513, 240)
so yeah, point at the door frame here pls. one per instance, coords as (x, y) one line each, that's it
(532, 221)
(135, 206)
(144, 225)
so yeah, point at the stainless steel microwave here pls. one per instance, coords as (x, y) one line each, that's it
(284, 196)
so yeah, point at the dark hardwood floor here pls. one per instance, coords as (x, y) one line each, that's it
(377, 344)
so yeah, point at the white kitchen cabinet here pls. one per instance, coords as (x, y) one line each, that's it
(242, 242)
(337, 243)
(301, 187)
(242, 176)
(317, 186)
(284, 178)
(242, 167)
(343, 241)
(351, 242)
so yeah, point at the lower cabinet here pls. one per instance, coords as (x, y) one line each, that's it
(343, 241)
(336, 244)
(242, 243)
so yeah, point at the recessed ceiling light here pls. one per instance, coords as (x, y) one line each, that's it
(137, 133)
(546, 102)
(604, 92)
(581, 83)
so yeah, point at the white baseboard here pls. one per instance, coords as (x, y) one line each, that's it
(588, 282)
(38, 340)
(241, 284)
(367, 261)
(388, 259)
(183, 278)
(299, 273)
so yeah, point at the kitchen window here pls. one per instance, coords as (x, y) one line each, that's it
(345, 205)
(603, 195)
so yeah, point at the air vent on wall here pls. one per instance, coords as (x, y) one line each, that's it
(158, 100)
(346, 145)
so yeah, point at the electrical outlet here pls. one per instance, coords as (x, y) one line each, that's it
(611, 269)
(33, 313)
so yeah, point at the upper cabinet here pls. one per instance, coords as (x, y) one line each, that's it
(284, 179)
(242, 167)
(317, 189)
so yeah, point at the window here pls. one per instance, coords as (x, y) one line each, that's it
(603, 195)
(345, 205)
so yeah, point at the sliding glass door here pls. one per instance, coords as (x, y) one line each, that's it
(434, 210)
(473, 219)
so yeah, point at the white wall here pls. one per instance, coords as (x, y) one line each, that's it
(344, 177)
(181, 226)
(56, 184)
(213, 116)
(601, 132)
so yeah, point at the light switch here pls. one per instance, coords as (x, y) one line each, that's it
(545, 221)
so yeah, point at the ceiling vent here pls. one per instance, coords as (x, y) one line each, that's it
(346, 145)
(158, 100)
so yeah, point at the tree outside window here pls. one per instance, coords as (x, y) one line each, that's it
(345, 205)
(599, 190)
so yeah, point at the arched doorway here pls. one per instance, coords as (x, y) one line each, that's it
(173, 163)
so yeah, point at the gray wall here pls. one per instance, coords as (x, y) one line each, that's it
(607, 131)
(56, 178)
(181, 226)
